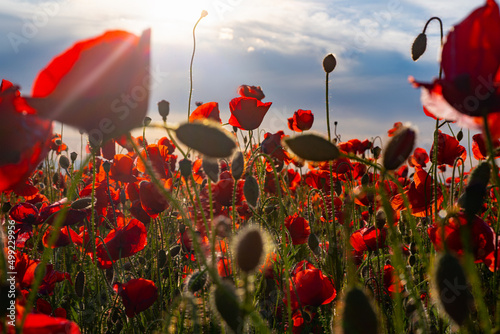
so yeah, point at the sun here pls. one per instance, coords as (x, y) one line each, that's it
(169, 20)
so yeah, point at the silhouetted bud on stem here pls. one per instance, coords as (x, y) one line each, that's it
(329, 63)
(164, 108)
(399, 148)
(147, 121)
(418, 46)
(63, 161)
(73, 156)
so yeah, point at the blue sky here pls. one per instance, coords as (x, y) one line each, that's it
(277, 44)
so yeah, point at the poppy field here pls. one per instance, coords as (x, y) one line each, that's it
(220, 226)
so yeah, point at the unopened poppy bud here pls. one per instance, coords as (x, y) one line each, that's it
(196, 281)
(399, 148)
(313, 242)
(211, 168)
(82, 203)
(251, 190)
(338, 187)
(380, 219)
(329, 63)
(6, 207)
(473, 197)
(80, 284)
(73, 157)
(204, 13)
(237, 165)
(453, 288)
(164, 108)
(147, 121)
(227, 304)
(249, 249)
(412, 260)
(460, 135)
(185, 168)
(106, 165)
(376, 152)
(365, 180)
(63, 161)
(162, 258)
(418, 47)
(356, 304)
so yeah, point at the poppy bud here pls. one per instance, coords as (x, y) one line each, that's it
(399, 148)
(251, 190)
(473, 197)
(460, 135)
(164, 108)
(313, 242)
(162, 258)
(6, 207)
(185, 168)
(73, 156)
(453, 288)
(329, 63)
(198, 103)
(146, 121)
(376, 152)
(249, 249)
(80, 284)
(365, 180)
(63, 161)
(106, 165)
(226, 302)
(418, 47)
(196, 281)
(82, 203)
(211, 168)
(338, 187)
(380, 219)
(356, 304)
(204, 13)
(237, 165)
(412, 260)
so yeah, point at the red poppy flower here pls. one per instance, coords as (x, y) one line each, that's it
(39, 323)
(137, 295)
(247, 113)
(57, 145)
(272, 145)
(224, 267)
(223, 190)
(394, 129)
(208, 110)
(27, 138)
(161, 159)
(419, 157)
(66, 237)
(312, 287)
(482, 237)
(479, 147)
(471, 61)
(392, 283)
(152, 200)
(301, 120)
(368, 239)
(122, 242)
(449, 150)
(122, 168)
(299, 229)
(420, 195)
(100, 85)
(251, 91)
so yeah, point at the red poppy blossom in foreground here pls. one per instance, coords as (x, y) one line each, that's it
(471, 61)
(479, 147)
(137, 295)
(26, 136)
(299, 229)
(100, 85)
(247, 113)
(301, 120)
(122, 242)
(312, 287)
(208, 110)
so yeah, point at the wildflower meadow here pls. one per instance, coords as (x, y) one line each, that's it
(220, 226)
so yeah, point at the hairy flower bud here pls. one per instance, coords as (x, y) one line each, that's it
(329, 63)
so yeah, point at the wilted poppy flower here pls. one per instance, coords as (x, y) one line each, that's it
(449, 150)
(26, 136)
(312, 287)
(299, 229)
(137, 295)
(479, 147)
(100, 85)
(301, 120)
(247, 113)
(470, 60)
(251, 91)
(481, 236)
(208, 110)
(122, 242)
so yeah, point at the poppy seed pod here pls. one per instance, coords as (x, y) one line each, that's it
(329, 63)
(399, 148)
(164, 108)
